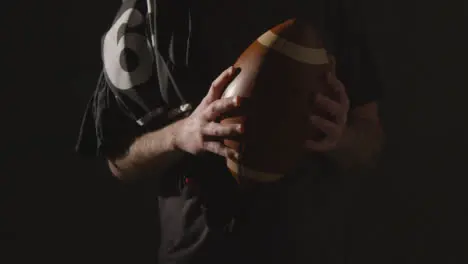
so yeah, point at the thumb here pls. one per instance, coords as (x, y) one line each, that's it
(220, 83)
(332, 63)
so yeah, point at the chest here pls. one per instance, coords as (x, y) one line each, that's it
(223, 30)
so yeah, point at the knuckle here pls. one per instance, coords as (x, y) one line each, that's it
(210, 93)
(215, 107)
(199, 139)
(337, 109)
(228, 153)
(199, 129)
(212, 113)
(233, 129)
(220, 104)
(217, 132)
(206, 146)
(214, 147)
(231, 154)
(227, 72)
(203, 131)
(213, 89)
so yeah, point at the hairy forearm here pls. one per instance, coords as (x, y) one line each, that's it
(360, 144)
(149, 155)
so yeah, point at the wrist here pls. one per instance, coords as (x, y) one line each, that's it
(173, 131)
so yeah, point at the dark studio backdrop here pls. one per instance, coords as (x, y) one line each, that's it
(412, 209)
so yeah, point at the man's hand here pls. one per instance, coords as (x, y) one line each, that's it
(200, 132)
(338, 109)
(352, 138)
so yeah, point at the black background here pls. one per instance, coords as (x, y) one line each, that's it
(413, 209)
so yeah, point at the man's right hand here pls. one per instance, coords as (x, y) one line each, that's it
(200, 132)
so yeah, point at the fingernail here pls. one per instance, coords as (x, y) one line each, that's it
(240, 128)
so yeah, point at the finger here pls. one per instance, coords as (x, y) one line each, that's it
(220, 83)
(326, 103)
(319, 146)
(222, 130)
(221, 106)
(332, 63)
(221, 150)
(326, 126)
(340, 89)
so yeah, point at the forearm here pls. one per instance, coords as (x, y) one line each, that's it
(149, 155)
(360, 144)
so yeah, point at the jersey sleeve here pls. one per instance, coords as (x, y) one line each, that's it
(106, 128)
(131, 96)
(127, 88)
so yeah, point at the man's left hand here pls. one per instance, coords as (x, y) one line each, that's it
(333, 130)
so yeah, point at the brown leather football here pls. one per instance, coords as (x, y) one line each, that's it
(281, 72)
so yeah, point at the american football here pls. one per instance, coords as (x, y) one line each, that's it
(281, 72)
